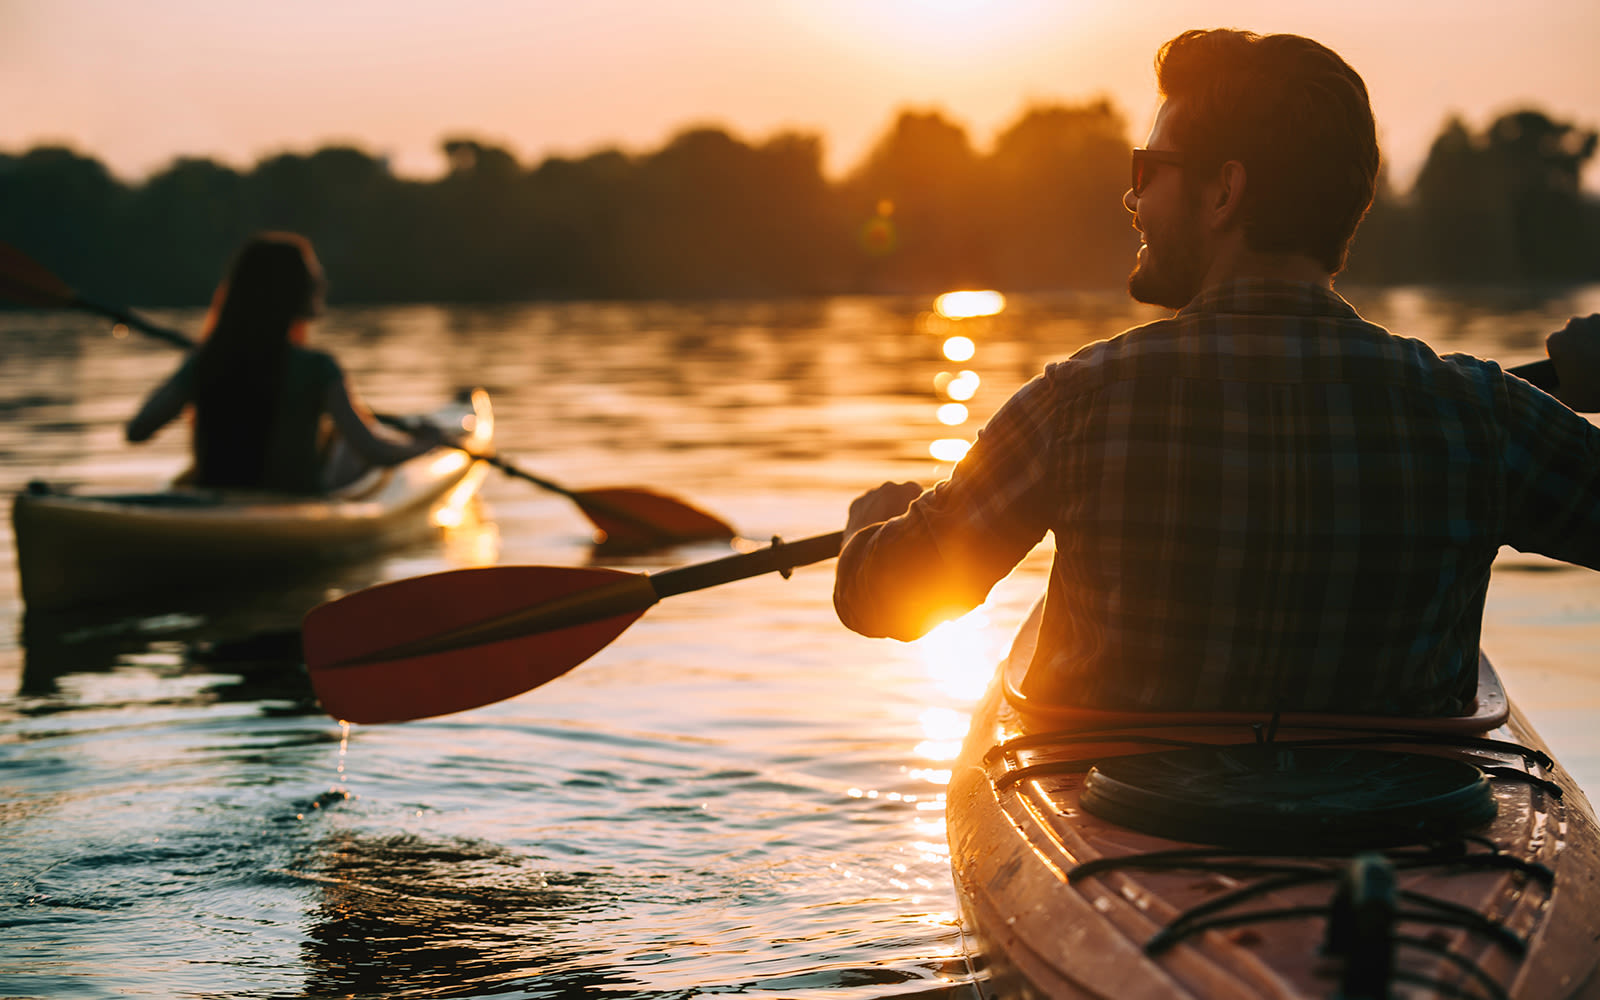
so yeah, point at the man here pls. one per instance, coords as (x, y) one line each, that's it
(1263, 502)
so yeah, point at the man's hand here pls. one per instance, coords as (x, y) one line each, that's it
(879, 504)
(1575, 351)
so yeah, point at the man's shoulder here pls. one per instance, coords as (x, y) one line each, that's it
(1274, 348)
(1119, 357)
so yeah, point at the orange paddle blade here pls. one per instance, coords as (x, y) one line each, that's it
(447, 642)
(25, 281)
(636, 518)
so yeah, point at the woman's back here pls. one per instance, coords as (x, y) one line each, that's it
(270, 413)
(247, 439)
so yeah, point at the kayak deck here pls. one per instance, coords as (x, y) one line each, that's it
(77, 550)
(1060, 902)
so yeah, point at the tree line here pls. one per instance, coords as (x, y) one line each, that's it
(711, 215)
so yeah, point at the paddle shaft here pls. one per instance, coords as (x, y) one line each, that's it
(580, 497)
(779, 557)
(134, 321)
(539, 481)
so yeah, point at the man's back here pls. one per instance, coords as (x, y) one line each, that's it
(1263, 503)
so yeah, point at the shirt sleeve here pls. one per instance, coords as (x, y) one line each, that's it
(938, 560)
(1552, 457)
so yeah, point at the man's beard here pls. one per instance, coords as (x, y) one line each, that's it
(1171, 275)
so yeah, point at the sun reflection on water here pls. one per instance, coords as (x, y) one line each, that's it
(969, 304)
(958, 658)
(949, 449)
(959, 386)
(959, 348)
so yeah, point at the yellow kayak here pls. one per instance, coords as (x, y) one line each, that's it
(1155, 856)
(78, 550)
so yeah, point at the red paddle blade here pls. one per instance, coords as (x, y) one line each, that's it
(634, 518)
(447, 642)
(25, 281)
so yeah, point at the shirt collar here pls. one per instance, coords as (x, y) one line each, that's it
(1270, 297)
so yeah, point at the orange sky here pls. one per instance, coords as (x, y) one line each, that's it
(136, 82)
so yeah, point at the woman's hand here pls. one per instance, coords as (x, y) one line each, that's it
(426, 432)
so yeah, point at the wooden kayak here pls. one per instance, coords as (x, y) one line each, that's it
(1153, 856)
(78, 550)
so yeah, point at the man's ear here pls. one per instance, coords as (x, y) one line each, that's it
(1226, 194)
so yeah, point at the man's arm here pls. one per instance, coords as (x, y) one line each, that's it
(350, 419)
(900, 574)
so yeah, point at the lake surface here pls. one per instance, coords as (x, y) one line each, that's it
(738, 796)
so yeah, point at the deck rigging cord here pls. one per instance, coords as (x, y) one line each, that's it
(1364, 911)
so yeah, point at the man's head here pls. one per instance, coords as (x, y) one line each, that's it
(1281, 125)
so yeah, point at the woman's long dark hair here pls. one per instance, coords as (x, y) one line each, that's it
(275, 283)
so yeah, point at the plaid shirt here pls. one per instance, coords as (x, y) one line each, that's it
(1264, 502)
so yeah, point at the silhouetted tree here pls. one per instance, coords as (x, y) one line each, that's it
(922, 181)
(577, 210)
(1505, 206)
(184, 223)
(709, 214)
(472, 229)
(712, 215)
(1539, 162)
(65, 210)
(1052, 199)
(1385, 245)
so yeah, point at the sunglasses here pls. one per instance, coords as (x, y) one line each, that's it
(1144, 165)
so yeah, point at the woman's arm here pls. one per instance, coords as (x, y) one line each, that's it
(373, 443)
(164, 403)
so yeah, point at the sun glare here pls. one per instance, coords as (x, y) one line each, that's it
(959, 656)
(935, 27)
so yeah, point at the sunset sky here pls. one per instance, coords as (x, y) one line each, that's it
(137, 83)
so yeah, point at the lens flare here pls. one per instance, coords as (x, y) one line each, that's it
(952, 414)
(950, 449)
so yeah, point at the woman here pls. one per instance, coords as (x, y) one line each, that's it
(269, 412)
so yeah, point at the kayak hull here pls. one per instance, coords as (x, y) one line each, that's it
(1036, 924)
(75, 551)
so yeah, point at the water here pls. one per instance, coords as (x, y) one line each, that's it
(737, 796)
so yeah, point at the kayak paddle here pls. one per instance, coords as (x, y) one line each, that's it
(458, 639)
(631, 518)
(25, 281)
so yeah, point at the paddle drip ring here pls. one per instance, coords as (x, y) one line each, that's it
(1274, 797)
(783, 571)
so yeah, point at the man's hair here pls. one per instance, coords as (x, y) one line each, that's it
(1298, 118)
